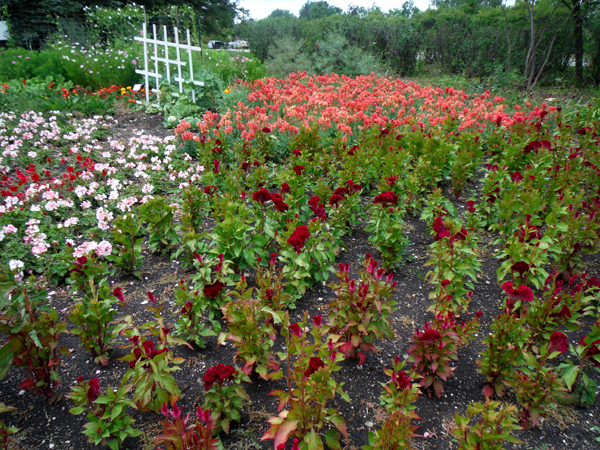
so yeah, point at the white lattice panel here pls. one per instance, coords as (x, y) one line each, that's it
(155, 44)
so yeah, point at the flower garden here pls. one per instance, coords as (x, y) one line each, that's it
(322, 262)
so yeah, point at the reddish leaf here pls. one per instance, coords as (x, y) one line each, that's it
(27, 384)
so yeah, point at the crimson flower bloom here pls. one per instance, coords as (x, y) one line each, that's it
(261, 196)
(280, 205)
(266, 130)
(297, 152)
(520, 267)
(210, 190)
(299, 237)
(217, 165)
(341, 191)
(285, 188)
(431, 337)
(386, 198)
(522, 293)
(218, 374)
(299, 169)
(564, 312)
(246, 166)
(118, 292)
(471, 206)
(335, 199)
(213, 290)
(314, 364)
(401, 379)
(151, 297)
(558, 342)
(516, 176)
(295, 329)
(318, 320)
(440, 228)
(93, 391)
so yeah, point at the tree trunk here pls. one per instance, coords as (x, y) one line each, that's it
(578, 35)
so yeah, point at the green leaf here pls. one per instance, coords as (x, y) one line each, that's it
(313, 441)
(332, 437)
(6, 359)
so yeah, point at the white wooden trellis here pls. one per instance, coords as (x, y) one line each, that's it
(165, 44)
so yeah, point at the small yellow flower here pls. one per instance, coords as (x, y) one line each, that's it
(227, 91)
(128, 88)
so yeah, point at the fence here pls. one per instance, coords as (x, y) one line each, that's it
(165, 45)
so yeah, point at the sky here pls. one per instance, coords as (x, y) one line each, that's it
(260, 9)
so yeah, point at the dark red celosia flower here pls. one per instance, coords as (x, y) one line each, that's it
(213, 290)
(522, 293)
(299, 237)
(461, 235)
(93, 391)
(299, 169)
(445, 282)
(353, 188)
(314, 364)
(261, 196)
(471, 206)
(342, 191)
(440, 228)
(217, 165)
(334, 200)
(151, 297)
(218, 374)
(118, 292)
(391, 180)
(246, 166)
(528, 232)
(297, 152)
(387, 198)
(318, 320)
(187, 308)
(478, 314)
(295, 329)
(520, 267)
(591, 351)
(313, 202)
(516, 176)
(402, 380)
(266, 130)
(135, 339)
(210, 190)
(430, 337)
(564, 312)
(285, 188)
(148, 348)
(558, 342)
(280, 205)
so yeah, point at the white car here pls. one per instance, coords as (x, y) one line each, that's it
(217, 45)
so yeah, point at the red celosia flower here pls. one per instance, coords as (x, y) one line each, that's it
(218, 374)
(151, 297)
(280, 205)
(93, 391)
(335, 199)
(591, 351)
(471, 206)
(520, 267)
(213, 290)
(314, 364)
(516, 176)
(299, 169)
(440, 228)
(391, 180)
(118, 292)
(217, 165)
(430, 337)
(295, 329)
(386, 198)
(261, 196)
(341, 191)
(402, 380)
(558, 342)
(285, 188)
(522, 293)
(246, 166)
(318, 320)
(299, 237)
(297, 152)
(210, 190)
(266, 130)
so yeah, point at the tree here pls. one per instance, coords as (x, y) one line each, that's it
(316, 10)
(580, 10)
(533, 70)
(283, 13)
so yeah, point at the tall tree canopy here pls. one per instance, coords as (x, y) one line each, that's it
(316, 10)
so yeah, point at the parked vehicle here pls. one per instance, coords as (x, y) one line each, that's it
(237, 45)
(216, 45)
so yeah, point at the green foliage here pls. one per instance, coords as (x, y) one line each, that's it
(494, 427)
(108, 422)
(129, 247)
